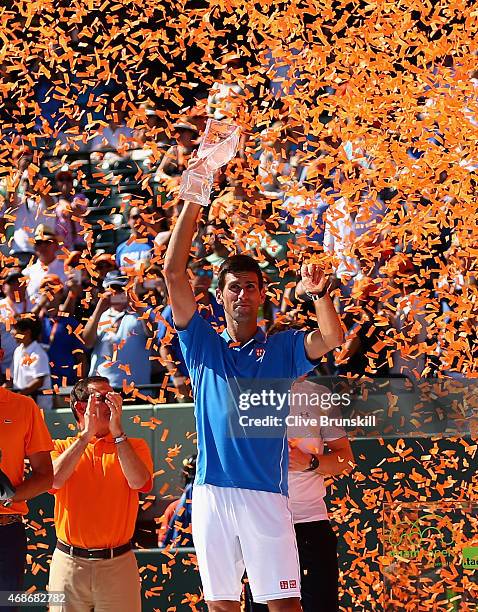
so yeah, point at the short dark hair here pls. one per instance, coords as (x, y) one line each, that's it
(238, 263)
(81, 392)
(28, 322)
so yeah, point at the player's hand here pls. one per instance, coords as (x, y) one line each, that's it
(298, 461)
(114, 401)
(313, 279)
(91, 417)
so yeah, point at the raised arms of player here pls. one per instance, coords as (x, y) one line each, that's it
(181, 295)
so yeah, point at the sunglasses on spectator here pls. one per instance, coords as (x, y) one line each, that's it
(40, 242)
(201, 273)
(117, 288)
(135, 216)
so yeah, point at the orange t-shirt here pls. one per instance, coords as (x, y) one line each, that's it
(96, 508)
(23, 432)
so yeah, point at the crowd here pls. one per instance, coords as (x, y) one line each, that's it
(72, 305)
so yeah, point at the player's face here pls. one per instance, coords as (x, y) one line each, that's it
(241, 296)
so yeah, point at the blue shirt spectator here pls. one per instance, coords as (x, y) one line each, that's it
(138, 247)
(64, 348)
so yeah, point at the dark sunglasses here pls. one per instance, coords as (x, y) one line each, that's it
(201, 273)
(40, 242)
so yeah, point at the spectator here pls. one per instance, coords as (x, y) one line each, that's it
(14, 303)
(64, 186)
(175, 529)
(208, 308)
(60, 335)
(138, 248)
(84, 281)
(31, 368)
(69, 227)
(93, 563)
(118, 336)
(46, 249)
(323, 451)
(24, 435)
(367, 348)
(27, 205)
(176, 158)
(216, 250)
(227, 96)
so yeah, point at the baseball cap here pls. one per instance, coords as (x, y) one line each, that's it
(11, 275)
(45, 232)
(115, 278)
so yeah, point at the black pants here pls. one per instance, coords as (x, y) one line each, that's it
(13, 550)
(319, 569)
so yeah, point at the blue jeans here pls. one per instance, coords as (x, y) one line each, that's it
(13, 550)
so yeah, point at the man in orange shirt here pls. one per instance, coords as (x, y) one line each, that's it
(98, 475)
(23, 434)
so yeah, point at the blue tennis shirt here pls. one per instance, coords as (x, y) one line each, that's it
(215, 362)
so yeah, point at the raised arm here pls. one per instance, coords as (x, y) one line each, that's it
(329, 334)
(181, 295)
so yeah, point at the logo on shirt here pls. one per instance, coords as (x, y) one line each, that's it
(7, 421)
(260, 352)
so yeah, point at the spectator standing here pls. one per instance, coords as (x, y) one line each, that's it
(118, 336)
(14, 303)
(93, 563)
(138, 248)
(26, 205)
(68, 221)
(60, 335)
(31, 368)
(23, 435)
(46, 249)
(325, 451)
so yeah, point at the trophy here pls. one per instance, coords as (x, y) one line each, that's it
(218, 146)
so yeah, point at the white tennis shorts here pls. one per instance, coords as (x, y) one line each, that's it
(237, 529)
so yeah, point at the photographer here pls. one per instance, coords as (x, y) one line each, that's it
(118, 334)
(98, 476)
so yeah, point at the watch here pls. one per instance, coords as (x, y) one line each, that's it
(318, 296)
(122, 438)
(313, 465)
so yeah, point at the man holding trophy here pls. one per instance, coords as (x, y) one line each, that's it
(240, 517)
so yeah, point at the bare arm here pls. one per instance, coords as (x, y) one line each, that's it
(91, 328)
(40, 479)
(33, 387)
(134, 470)
(181, 295)
(338, 460)
(329, 334)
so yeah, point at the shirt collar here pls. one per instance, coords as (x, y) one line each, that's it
(260, 337)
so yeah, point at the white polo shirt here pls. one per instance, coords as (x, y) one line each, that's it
(31, 362)
(307, 489)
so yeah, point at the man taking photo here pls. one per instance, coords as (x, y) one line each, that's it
(98, 476)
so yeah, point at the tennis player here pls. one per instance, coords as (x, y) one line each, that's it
(240, 514)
